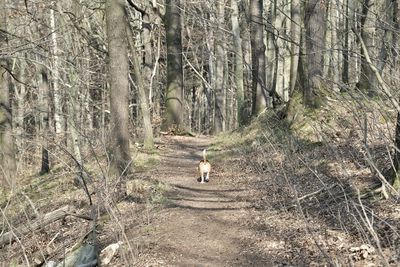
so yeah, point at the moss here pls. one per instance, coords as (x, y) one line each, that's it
(396, 182)
(145, 159)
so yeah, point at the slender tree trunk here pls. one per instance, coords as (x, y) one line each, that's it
(271, 46)
(144, 106)
(119, 88)
(396, 161)
(335, 63)
(327, 41)
(238, 66)
(346, 44)
(282, 68)
(261, 97)
(220, 116)
(174, 94)
(367, 80)
(74, 116)
(148, 55)
(396, 25)
(7, 149)
(20, 95)
(295, 34)
(55, 73)
(43, 96)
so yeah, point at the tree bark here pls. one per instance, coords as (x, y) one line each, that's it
(282, 68)
(144, 106)
(7, 146)
(174, 92)
(261, 97)
(43, 95)
(55, 72)
(367, 81)
(313, 58)
(119, 88)
(19, 108)
(295, 34)
(346, 45)
(220, 115)
(238, 66)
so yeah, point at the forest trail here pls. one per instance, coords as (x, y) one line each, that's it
(199, 225)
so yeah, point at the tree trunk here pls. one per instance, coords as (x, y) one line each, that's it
(174, 94)
(295, 33)
(7, 149)
(119, 89)
(43, 95)
(367, 80)
(335, 62)
(346, 44)
(313, 57)
(238, 65)
(55, 73)
(261, 97)
(144, 106)
(396, 161)
(20, 95)
(282, 68)
(220, 116)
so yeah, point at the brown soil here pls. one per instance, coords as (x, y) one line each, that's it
(201, 224)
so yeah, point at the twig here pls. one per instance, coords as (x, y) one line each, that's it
(142, 11)
(316, 192)
(371, 230)
(376, 72)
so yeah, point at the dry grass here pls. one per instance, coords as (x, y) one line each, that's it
(307, 184)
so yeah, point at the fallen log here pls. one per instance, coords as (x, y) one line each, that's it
(48, 218)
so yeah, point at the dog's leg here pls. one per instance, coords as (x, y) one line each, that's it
(202, 177)
(207, 176)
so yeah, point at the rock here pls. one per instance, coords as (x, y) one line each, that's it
(108, 253)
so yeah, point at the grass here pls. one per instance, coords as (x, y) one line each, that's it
(144, 160)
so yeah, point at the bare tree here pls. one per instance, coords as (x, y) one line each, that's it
(220, 114)
(7, 154)
(238, 67)
(173, 116)
(144, 104)
(56, 71)
(314, 46)
(43, 108)
(295, 34)
(367, 81)
(119, 86)
(261, 97)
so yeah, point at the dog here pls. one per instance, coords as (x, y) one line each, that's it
(204, 168)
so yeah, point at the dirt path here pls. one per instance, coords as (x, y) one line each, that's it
(199, 226)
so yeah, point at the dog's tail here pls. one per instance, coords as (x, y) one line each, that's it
(204, 155)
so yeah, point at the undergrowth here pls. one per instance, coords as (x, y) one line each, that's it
(318, 164)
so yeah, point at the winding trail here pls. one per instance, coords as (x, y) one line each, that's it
(200, 224)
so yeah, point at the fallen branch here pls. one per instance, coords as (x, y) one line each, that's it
(48, 218)
(316, 192)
